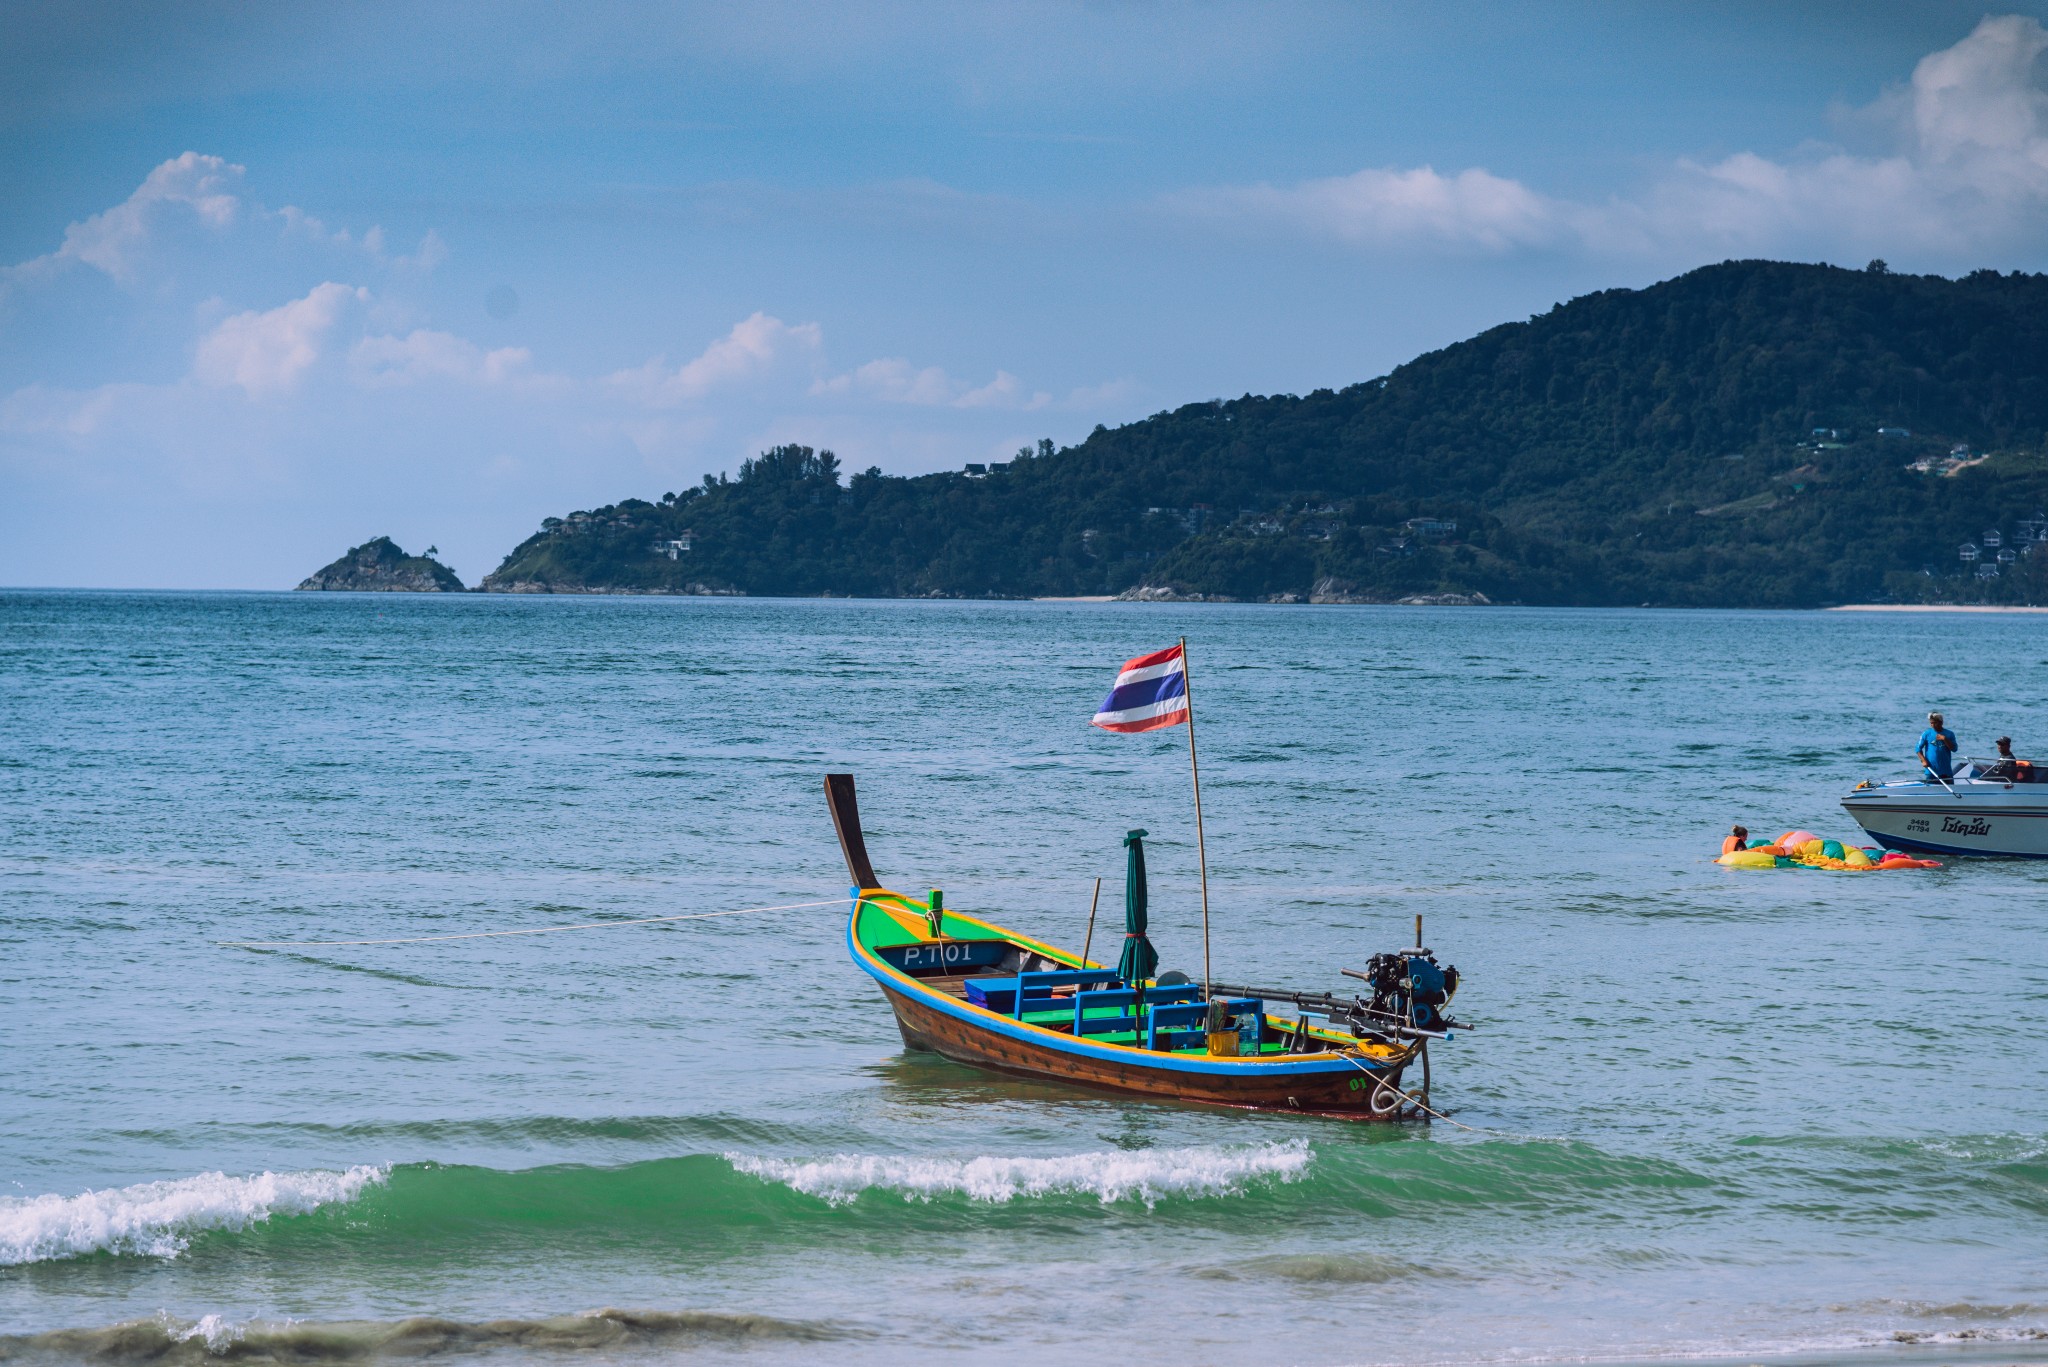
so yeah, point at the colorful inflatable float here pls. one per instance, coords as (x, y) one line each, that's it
(1805, 850)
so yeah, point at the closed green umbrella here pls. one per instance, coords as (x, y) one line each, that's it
(1139, 959)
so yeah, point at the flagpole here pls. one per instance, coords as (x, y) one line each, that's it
(1201, 848)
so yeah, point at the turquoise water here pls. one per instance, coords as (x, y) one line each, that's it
(1716, 1112)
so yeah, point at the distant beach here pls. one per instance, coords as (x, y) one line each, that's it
(1930, 607)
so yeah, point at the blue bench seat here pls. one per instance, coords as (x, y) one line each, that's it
(1029, 993)
(1094, 1001)
(1174, 1022)
(1185, 992)
(1121, 1004)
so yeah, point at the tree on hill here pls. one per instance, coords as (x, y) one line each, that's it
(1740, 435)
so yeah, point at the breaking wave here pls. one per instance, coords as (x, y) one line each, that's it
(783, 1192)
(1146, 1175)
(157, 1219)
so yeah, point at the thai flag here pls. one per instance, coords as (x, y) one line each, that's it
(1150, 692)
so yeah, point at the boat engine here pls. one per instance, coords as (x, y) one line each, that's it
(1409, 988)
(1410, 994)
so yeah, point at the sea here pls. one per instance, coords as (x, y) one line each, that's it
(1699, 1112)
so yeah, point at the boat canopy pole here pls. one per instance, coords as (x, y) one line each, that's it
(1201, 849)
(1089, 939)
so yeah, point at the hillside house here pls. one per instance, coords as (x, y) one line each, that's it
(1430, 528)
(1191, 519)
(1967, 554)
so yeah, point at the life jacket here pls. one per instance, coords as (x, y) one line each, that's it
(1731, 844)
(2023, 771)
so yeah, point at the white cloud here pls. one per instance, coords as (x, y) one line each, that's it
(1980, 98)
(40, 414)
(201, 187)
(1393, 207)
(756, 346)
(1968, 172)
(270, 352)
(189, 206)
(423, 356)
(1003, 391)
(255, 360)
(432, 250)
(893, 379)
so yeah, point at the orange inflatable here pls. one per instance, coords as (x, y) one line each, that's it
(1895, 860)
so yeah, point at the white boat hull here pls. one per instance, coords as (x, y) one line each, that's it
(1978, 817)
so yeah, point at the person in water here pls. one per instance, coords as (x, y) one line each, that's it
(1937, 750)
(1737, 841)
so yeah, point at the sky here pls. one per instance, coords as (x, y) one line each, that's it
(278, 279)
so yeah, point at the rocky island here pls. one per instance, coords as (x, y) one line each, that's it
(380, 566)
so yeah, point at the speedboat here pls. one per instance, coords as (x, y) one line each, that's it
(1979, 811)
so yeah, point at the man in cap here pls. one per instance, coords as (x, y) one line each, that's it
(2009, 766)
(1937, 750)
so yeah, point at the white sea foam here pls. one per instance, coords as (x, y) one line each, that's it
(156, 1219)
(217, 1332)
(1116, 1175)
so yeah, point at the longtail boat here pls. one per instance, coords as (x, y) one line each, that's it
(979, 994)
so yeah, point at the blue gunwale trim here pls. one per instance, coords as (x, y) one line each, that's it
(892, 980)
(1938, 807)
(1900, 842)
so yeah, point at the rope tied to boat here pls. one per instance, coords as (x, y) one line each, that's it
(1356, 1062)
(532, 930)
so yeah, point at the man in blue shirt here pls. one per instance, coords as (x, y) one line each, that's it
(1937, 745)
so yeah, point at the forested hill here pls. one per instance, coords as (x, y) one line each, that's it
(1752, 433)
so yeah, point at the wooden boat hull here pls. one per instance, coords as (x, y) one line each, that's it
(1343, 1091)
